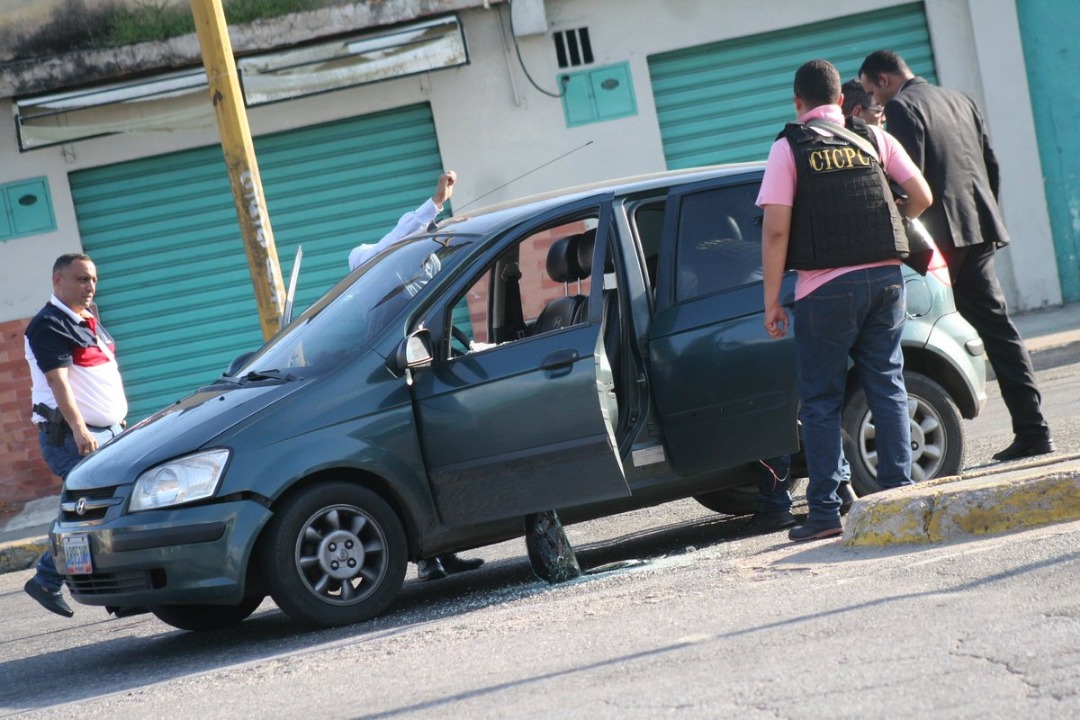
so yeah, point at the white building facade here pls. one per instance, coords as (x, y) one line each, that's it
(541, 95)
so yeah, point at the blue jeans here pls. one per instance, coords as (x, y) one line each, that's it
(60, 459)
(858, 315)
(774, 484)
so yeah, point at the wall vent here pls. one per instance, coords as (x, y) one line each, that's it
(572, 47)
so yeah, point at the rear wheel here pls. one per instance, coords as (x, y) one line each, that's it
(937, 434)
(334, 554)
(739, 497)
(203, 618)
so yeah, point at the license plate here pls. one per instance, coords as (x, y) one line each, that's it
(77, 555)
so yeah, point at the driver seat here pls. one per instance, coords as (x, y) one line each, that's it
(562, 267)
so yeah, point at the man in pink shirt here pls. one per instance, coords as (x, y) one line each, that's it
(830, 215)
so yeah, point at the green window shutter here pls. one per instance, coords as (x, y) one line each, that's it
(726, 101)
(175, 288)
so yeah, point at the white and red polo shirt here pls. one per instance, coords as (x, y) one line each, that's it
(59, 337)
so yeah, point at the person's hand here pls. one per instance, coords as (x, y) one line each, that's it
(445, 188)
(86, 442)
(776, 321)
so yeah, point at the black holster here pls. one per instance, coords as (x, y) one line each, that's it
(55, 426)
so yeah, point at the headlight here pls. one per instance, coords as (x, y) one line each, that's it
(180, 481)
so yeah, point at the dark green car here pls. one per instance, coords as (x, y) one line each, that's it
(591, 351)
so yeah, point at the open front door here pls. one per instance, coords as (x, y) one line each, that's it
(526, 425)
(725, 391)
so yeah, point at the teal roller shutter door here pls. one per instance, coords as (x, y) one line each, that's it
(175, 288)
(726, 101)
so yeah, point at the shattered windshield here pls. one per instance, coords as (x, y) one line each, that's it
(340, 323)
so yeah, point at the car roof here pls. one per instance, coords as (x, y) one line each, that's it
(481, 219)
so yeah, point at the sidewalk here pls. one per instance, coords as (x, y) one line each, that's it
(1036, 492)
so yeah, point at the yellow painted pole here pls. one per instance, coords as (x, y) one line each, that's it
(240, 160)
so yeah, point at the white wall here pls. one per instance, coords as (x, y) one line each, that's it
(494, 127)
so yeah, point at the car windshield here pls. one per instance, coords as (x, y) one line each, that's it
(356, 309)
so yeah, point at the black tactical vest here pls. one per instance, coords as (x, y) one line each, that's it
(844, 212)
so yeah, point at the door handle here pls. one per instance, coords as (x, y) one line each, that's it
(559, 359)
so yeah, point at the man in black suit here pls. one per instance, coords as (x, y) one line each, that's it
(944, 133)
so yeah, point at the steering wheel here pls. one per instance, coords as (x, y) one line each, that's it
(459, 335)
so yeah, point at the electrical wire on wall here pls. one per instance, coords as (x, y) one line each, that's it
(521, 62)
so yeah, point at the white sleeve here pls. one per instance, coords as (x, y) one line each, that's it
(409, 223)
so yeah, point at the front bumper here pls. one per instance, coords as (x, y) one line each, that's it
(195, 554)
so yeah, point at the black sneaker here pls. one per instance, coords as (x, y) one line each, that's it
(431, 569)
(51, 601)
(764, 522)
(815, 530)
(454, 564)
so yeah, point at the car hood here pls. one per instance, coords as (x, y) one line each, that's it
(180, 429)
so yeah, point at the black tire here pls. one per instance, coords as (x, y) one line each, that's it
(739, 497)
(740, 500)
(731, 501)
(937, 434)
(205, 618)
(334, 554)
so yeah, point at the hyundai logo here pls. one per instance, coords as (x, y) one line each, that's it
(80, 506)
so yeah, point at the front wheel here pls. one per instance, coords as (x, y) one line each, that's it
(937, 434)
(334, 554)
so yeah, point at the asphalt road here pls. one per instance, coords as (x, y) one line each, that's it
(749, 628)
(697, 620)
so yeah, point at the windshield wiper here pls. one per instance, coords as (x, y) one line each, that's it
(256, 375)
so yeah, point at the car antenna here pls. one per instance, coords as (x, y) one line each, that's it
(510, 182)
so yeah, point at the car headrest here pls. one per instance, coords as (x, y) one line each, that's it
(586, 243)
(562, 261)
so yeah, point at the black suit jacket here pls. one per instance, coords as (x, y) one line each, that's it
(944, 133)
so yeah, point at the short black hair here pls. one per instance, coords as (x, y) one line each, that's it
(883, 61)
(818, 83)
(854, 96)
(64, 261)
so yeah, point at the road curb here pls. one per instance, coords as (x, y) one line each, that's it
(21, 554)
(955, 508)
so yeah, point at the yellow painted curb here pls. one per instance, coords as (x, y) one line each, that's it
(953, 508)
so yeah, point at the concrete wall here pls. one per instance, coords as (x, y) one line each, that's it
(493, 126)
(504, 137)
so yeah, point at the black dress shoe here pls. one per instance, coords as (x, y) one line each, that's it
(431, 569)
(51, 601)
(763, 522)
(1025, 447)
(847, 497)
(455, 564)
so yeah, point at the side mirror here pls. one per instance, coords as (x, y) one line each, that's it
(414, 350)
(237, 363)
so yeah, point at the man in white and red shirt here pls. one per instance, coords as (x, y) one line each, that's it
(829, 214)
(78, 397)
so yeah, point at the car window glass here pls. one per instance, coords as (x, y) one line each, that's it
(718, 246)
(338, 325)
(648, 227)
(537, 285)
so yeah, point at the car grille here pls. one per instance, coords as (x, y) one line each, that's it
(114, 583)
(96, 505)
